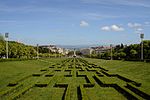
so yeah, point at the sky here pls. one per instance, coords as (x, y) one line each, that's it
(75, 22)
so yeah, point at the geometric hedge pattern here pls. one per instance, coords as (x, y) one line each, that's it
(73, 79)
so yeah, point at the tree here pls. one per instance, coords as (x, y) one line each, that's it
(122, 46)
(78, 53)
(17, 50)
(146, 49)
(107, 55)
(1, 37)
(122, 55)
(2, 49)
(130, 52)
(133, 53)
(71, 53)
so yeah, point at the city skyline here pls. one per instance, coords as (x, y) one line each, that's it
(80, 22)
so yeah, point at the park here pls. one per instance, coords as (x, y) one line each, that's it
(74, 79)
(74, 49)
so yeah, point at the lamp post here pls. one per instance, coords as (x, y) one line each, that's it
(37, 51)
(111, 52)
(49, 51)
(142, 37)
(6, 37)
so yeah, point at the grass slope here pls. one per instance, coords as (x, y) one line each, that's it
(138, 71)
(12, 70)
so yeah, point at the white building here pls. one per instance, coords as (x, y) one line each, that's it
(100, 49)
(54, 48)
(95, 50)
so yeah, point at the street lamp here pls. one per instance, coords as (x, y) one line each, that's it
(37, 51)
(49, 50)
(142, 37)
(111, 52)
(6, 37)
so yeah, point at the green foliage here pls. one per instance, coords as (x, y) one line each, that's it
(1, 37)
(131, 52)
(17, 50)
(2, 48)
(147, 49)
(43, 50)
(122, 54)
(71, 53)
(78, 53)
(22, 51)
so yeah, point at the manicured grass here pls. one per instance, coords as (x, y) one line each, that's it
(12, 70)
(76, 78)
(138, 71)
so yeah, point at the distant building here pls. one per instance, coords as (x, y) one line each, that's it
(95, 50)
(62, 50)
(100, 49)
(55, 49)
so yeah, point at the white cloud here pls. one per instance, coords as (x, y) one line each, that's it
(136, 26)
(139, 29)
(105, 28)
(84, 23)
(114, 27)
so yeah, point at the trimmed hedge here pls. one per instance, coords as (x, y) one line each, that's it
(83, 93)
(10, 90)
(36, 74)
(49, 75)
(88, 85)
(126, 93)
(137, 91)
(57, 70)
(43, 70)
(51, 67)
(67, 75)
(43, 82)
(99, 74)
(12, 84)
(61, 85)
(21, 92)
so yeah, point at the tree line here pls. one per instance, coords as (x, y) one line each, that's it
(17, 50)
(125, 52)
(22, 51)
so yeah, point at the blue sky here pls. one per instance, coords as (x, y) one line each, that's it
(75, 22)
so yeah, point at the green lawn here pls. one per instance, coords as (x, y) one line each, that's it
(75, 79)
(138, 71)
(13, 70)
